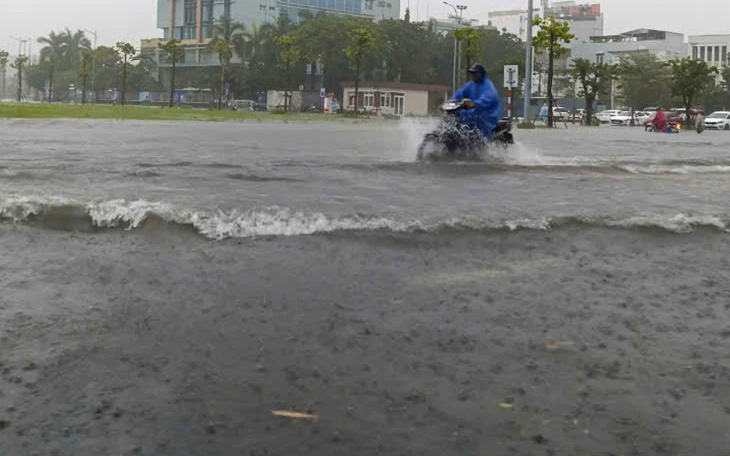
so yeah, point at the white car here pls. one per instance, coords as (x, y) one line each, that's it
(605, 116)
(624, 118)
(718, 120)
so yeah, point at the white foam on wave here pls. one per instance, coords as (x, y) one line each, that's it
(675, 169)
(280, 221)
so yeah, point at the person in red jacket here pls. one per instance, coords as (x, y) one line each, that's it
(660, 121)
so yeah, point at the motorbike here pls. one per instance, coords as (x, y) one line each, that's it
(452, 140)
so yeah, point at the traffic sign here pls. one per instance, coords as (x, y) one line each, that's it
(511, 76)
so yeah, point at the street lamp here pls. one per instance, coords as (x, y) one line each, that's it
(453, 77)
(21, 42)
(528, 63)
(93, 66)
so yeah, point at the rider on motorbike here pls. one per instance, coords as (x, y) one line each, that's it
(481, 100)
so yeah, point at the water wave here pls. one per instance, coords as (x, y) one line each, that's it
(61, 213)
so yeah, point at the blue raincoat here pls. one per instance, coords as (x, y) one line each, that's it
(489, 106)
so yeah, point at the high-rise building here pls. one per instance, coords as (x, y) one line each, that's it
(585, 20)
(192, 20)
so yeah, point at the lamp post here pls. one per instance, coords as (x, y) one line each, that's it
(453, 77)
(21, 42)
(93, 66)
(461, 9)
(528, 63)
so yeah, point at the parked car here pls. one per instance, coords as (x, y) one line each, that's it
(718, 120)
(624, 118)
(558, 113)
(605, 116)
(577, 115)
(650, 109)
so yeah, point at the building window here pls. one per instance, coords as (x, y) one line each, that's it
(599, 59)
(702, 53)
(189, 32)
(709, 53)
(190, 57)
(724, 55)
(717, 53)
(694, 52)
(190, 11)
(368, 100)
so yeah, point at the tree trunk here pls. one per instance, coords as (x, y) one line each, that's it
(172, 83)
(287, 103)
(550, 122)
(83, 86)
(50, 86)
(220, 93)
(4, 73)
(124, 81)
(589, 109)
(20, 82)
(357, 85)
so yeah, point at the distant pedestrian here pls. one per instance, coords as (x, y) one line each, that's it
(700, 121)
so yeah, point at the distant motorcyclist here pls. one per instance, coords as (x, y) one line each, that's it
(482, 102)
(659, 121)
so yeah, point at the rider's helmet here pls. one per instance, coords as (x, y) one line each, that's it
(477, 68)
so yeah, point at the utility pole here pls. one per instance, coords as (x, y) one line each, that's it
(456, 51)
(461, 9)
(93, 67)
(528, 63)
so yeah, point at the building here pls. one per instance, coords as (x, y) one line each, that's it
(608, 49)
(712, 49)
(585, 20)
(193, 20)
(510, 21)
(394, 98)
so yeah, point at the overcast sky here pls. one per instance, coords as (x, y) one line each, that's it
(131, 20)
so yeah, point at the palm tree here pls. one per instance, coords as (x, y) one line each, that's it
(175, 51)
(4, 68)
(52, 54)
(226, 34)
(76, 44)
(127, 52)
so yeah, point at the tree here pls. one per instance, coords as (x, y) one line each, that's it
(175, 54)
(551, 37)
(593, 79)
(19, 64)
(127, 51)
(86, 62)
(223, 48)
(360, 42)
(52, 54)
(471, 47)
(75, 43)
(644, 80)
(689, 78)
(289, 53)
(227, 34)
(4, 67)
(724, 73)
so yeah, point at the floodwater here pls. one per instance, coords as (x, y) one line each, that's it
(166, 286)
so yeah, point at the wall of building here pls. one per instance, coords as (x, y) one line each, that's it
(415, 101)
(585, 28)
(670, 48)
(514, 22)
(716, 48)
